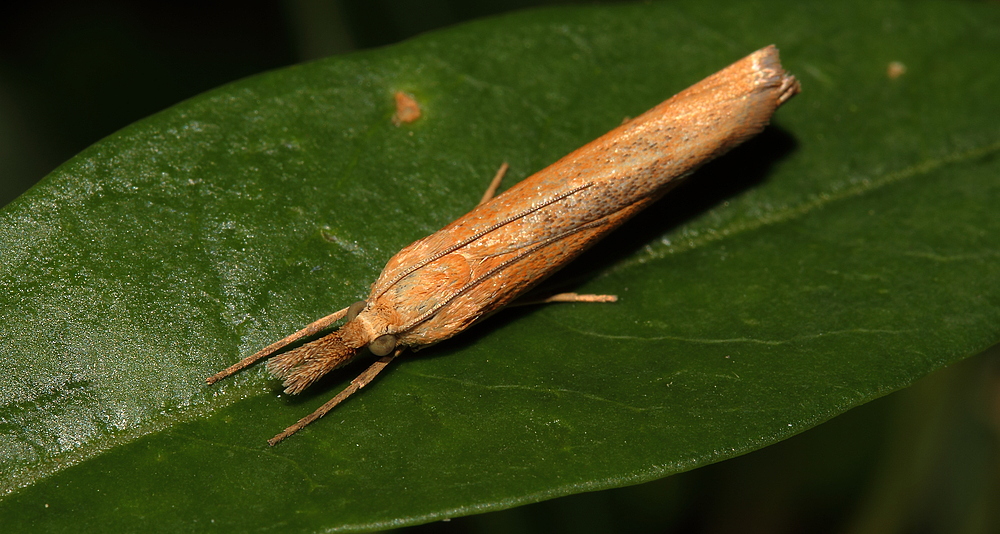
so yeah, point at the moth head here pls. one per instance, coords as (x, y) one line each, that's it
(382, 344)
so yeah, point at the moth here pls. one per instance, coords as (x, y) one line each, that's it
(440, 285)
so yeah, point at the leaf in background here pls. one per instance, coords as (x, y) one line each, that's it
(849, 250)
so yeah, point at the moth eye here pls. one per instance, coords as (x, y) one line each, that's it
(355, 309)
(382, 345)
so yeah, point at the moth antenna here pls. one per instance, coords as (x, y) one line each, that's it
(312, 328)
(305, 365)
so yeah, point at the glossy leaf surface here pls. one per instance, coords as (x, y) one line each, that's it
(849, 250)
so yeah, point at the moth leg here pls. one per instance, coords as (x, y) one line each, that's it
(494, 184)
(568, 297)
(311, 329)
(576, 297)
(361, 381)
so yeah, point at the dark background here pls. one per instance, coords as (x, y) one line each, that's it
(74, 72)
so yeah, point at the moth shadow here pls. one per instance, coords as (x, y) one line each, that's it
(743, 168)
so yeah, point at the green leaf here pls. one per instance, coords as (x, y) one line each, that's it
(849, 250)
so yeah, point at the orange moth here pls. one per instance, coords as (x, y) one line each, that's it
(483, 261)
